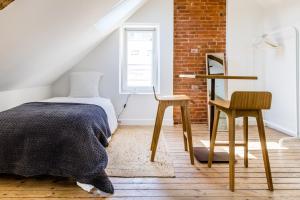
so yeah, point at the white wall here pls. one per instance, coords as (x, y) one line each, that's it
(280, 65)
(244, 23)
(247, 21)
(282, 14)
(42, 39)
(280, 79)
(12, 98)
(141, 109)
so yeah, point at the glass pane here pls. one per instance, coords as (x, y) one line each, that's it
(139, 58)
(139, 75)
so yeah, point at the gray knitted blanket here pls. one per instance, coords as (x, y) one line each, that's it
(58, 139)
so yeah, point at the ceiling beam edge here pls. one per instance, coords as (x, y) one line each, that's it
(4, 3)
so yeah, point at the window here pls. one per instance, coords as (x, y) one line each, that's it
(139, 59)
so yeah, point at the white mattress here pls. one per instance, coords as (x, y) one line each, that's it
(99, 101)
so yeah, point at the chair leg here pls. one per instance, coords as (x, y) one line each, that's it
(189, 133)
(184, 128)
(246, 142)
(231, 118)
(262, 136)
(157, 128)
(213, 138)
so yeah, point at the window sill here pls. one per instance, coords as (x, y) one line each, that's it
(137, 93)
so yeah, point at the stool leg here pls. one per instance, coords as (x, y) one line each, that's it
(213, 137)
(262, 136)
(156, 125)
(246, 142)
(189, 133)
(157, 128)
(231, 118)
(184, 128)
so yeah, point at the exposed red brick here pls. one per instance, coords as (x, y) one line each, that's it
(197, 24)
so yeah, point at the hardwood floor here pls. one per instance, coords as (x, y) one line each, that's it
(191, 182)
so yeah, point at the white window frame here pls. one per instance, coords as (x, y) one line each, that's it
(123, 88)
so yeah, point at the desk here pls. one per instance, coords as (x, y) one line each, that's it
(201, 153)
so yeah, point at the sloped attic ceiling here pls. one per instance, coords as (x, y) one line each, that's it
(42, 39)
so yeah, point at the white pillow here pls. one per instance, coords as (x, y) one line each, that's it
(85, 84)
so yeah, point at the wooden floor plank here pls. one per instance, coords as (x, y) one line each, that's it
(191, 182)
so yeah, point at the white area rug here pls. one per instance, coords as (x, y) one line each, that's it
(129, 154)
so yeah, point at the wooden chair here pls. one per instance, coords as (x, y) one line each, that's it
(175, 100)
(242, 104)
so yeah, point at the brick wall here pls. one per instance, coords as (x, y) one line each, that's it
(197, 24)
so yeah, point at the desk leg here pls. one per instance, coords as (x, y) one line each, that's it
(212, 108)
(202, 153)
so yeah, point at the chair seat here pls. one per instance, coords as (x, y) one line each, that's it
(220, 103)
(174, 98)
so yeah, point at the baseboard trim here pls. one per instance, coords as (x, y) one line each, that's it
(170, 122)
(144, 122)
(280, 128)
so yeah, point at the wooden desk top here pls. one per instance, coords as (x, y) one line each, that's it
(218, 77)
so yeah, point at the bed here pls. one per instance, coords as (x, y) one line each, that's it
(61, 136)
(105, 103)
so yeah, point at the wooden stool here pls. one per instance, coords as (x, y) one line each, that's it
(175, 100)
(242, 104)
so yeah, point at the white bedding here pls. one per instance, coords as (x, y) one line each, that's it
(99, 101)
